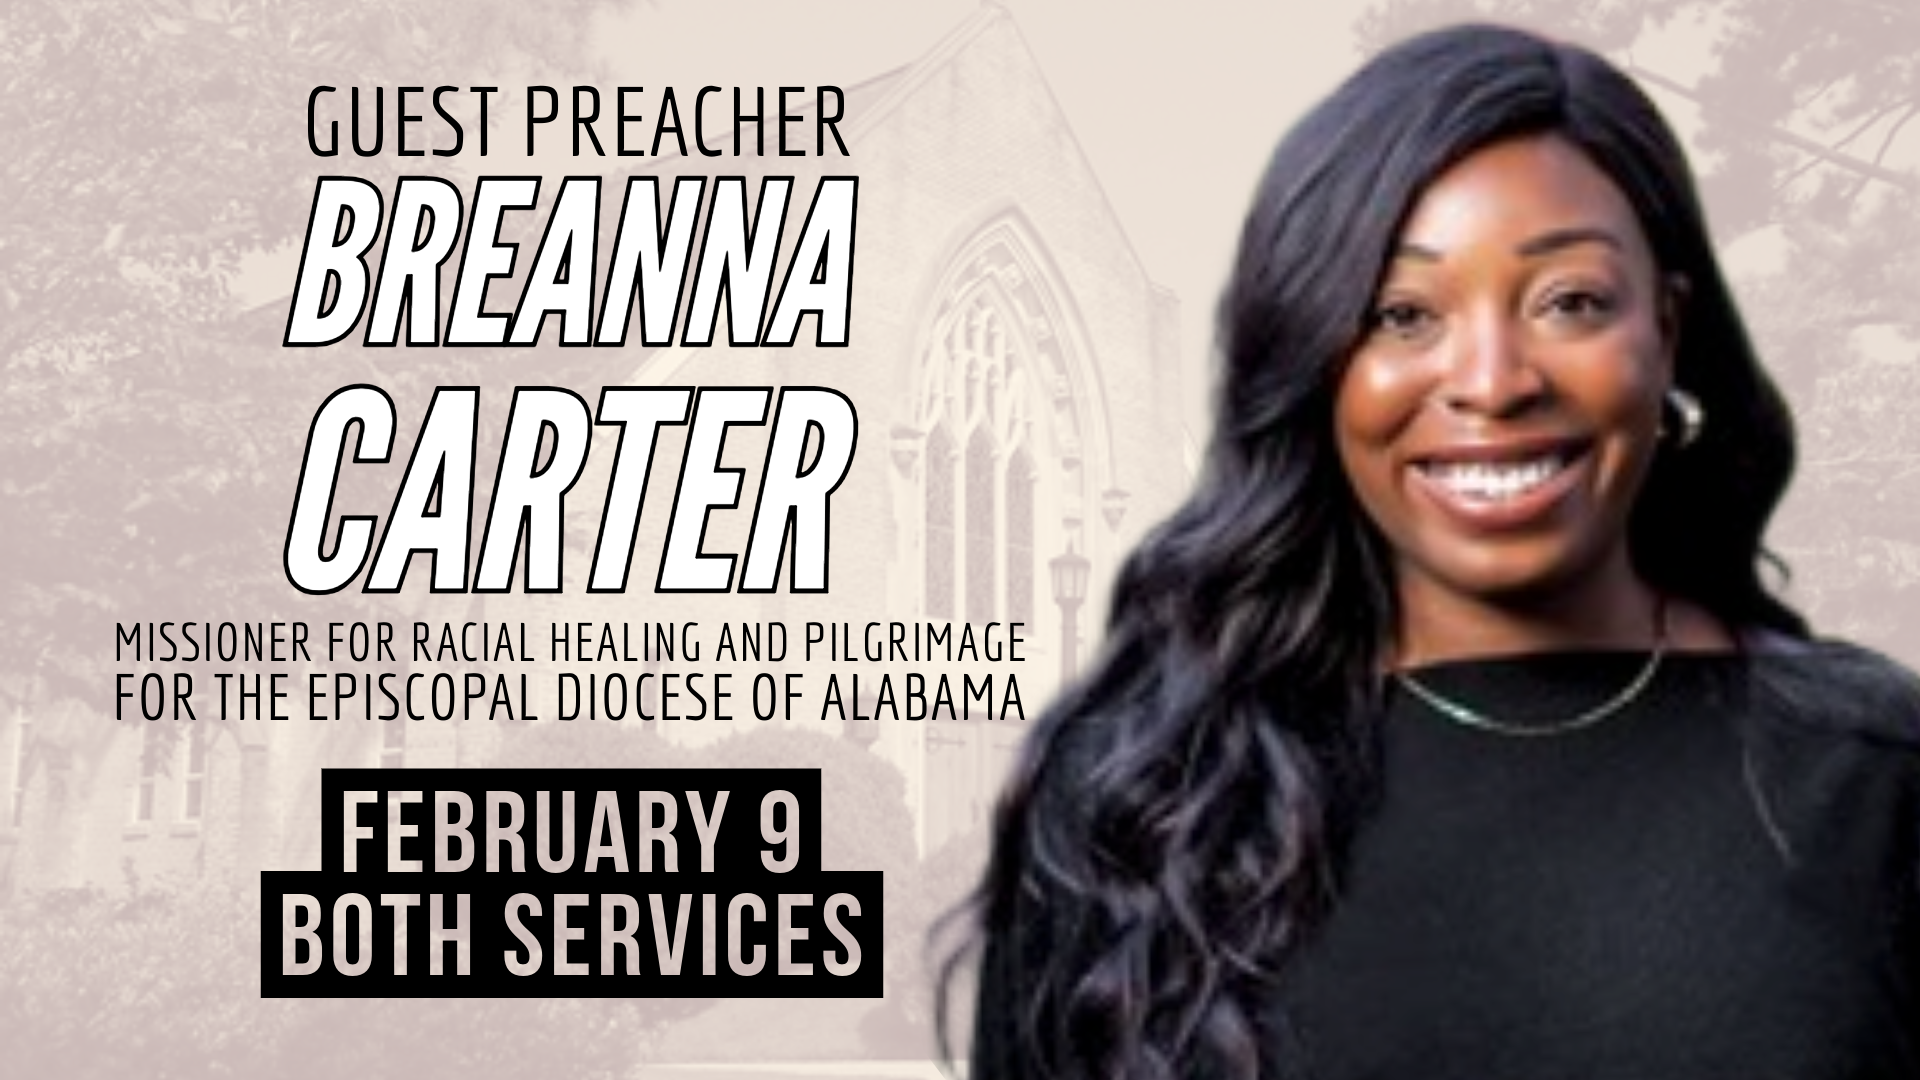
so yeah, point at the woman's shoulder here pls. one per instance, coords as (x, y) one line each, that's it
(1834, 687)
(1832, 754)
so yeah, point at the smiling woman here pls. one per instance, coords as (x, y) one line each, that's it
(1500, 415)
(1450, 729)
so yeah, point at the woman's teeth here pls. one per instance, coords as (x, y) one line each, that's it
(1493, 481)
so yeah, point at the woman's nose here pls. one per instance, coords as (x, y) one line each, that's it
(1491, 371)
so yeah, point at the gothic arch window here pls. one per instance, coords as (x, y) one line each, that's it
(975, 406)
(1020, 554)
(1014, 442)
(149, 769)
(1000, 459)
(940, 522)
(193, 791)
(981, 531)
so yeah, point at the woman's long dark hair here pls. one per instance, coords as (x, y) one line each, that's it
(1174, 826)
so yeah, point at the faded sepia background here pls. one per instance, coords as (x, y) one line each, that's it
(1049, 192)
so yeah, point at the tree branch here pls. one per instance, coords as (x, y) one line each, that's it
(1866, 169)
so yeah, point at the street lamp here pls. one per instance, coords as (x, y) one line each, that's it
(1069, 590)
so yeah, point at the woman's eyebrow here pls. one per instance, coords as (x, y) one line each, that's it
(1558, 239)
(1544, 244)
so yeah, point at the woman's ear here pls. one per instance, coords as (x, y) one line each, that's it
(1675, 291)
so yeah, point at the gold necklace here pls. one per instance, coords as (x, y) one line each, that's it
(1467, 716)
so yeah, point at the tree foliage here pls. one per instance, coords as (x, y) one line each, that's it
(148, 440)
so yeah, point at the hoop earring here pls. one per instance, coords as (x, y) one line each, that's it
(1682, 418)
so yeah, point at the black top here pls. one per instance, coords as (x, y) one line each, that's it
(1721, 880)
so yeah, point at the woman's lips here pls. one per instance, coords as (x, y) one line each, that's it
(1500, 487)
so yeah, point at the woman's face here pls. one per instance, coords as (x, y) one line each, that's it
(1499, 416)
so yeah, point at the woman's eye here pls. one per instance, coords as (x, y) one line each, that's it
(1401, 319)
(1584, 306)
